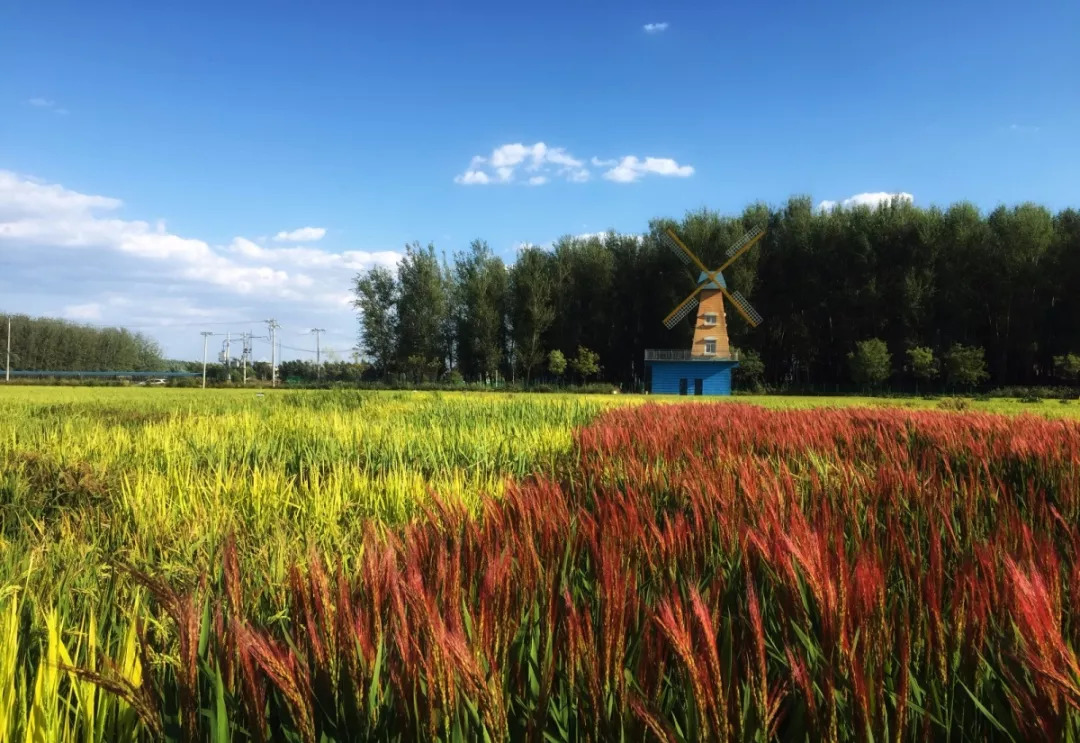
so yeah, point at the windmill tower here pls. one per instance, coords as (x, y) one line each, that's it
(704, 369)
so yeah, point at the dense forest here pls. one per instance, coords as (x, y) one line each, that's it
(43, 343)
(850, 297)
(1005, 285)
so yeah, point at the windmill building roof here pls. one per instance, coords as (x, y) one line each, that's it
(712, 284)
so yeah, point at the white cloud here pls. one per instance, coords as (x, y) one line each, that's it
(630, 169)
(26, 196)
(603, 237)
(1023, 128)
(47, 104)
(88, 311)
(542, 164)
(655, 28)
(473, 177)
(247, 248)
(131, 272)
(558, 156)
(510, 155)
(301, 235)
(872, 200)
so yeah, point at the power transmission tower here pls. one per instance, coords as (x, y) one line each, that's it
(273, 325)
(318, 356)
(205, 334)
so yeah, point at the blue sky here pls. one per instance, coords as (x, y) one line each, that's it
(151, 152)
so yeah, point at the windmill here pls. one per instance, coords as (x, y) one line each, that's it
(712, 280)
(709, 358)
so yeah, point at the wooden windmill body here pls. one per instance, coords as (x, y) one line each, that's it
(710, 327)
(705, 369)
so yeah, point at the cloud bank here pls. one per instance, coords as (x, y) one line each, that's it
(538, 164)
(68, 253)
(873, 200)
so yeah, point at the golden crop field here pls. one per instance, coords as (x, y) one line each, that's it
(187, 564)
(160, 477)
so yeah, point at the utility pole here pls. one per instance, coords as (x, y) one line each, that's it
(7, 367)
(205, 334)
(247, 352)
(273, 325)
(228, 344)
(318, 356)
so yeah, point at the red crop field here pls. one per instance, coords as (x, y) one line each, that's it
(693, 573)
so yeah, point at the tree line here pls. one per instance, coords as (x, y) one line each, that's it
(50, 344)
(1001, 287)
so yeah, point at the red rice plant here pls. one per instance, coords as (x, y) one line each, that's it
(698, 572)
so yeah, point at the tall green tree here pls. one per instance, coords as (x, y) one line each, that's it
(825, 279)
(532, 306)
(51, 344)
(422, 307)
(375, 295)
(1016, 288)
(584, 278)
(481, 282)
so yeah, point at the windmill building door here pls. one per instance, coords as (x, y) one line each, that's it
(682, 386)
(698, 387)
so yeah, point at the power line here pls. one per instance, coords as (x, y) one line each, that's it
(166, 326)
(315, 351)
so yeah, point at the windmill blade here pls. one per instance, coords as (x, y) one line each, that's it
(744, 308)
(746, 242)
(681, 311)
(666, 239)
(672, 240)
(737, 246)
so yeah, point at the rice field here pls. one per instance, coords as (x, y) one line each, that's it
(317, 566)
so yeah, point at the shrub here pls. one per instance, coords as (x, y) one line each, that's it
(922, 364)
(1045, 391)
(954, 404)
(871, 363)
(749, 375)
(965, 366)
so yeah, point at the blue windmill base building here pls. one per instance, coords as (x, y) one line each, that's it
(678, 372)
